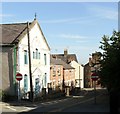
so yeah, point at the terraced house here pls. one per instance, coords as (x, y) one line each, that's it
(61, 74)
(72, 69)
(15, 57)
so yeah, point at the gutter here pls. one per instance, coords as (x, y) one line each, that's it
(7, 45)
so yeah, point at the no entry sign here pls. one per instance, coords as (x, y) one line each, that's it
(94, 76)
(18, 76)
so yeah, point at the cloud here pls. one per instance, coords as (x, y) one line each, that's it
(104, 12)
(71, 36)
(59, 20)
(6, 15)
(107, 14)
(76, 20)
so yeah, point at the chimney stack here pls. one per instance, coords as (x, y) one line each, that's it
(65, 52)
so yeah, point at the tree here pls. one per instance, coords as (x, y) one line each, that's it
(110, 66)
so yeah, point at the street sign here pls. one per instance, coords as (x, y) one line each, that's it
(94, 76)
(18, 76)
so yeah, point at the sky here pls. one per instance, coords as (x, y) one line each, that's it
(77, 26)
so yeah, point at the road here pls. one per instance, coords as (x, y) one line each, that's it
(80, 103)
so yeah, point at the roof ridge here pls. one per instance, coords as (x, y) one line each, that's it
(15, 23)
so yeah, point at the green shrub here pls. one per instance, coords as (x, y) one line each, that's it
(4, 96)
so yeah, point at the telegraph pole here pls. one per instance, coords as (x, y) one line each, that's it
(79, 77)
(31, 87)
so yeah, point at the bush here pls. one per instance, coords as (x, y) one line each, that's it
(4, 96)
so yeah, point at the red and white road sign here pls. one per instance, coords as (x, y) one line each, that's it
(94, 76)
(18, 76)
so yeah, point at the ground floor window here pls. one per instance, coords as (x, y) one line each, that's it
(25, 83)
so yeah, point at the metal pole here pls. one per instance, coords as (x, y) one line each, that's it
(31, 87)
(79, 76)
(18, 91)
(95, 92)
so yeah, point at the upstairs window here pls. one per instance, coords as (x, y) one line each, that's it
(54, 70)
(25, 57)
(59, 71)
(36, 53)
(45, 59)
(33, 55)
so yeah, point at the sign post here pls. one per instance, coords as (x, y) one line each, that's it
(94, 77)
(18, 78)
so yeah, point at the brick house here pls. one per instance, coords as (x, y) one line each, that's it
(92, 66)
(61, 74)
(71, 59)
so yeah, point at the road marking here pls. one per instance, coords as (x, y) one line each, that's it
(53, 102)
(28, 109)
(11, 108)
(78, 96)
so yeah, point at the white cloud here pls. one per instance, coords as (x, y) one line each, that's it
(59, 20)
(82, 20)
(108, 14)
(6, 15)
(71, 36)
(104, 12)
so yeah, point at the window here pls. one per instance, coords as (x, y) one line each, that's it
(59, 71)
(39, 55)
(33, 55)
(36, 53)
(54, 70)
(25, 57)
(25, 83)
(45, 59)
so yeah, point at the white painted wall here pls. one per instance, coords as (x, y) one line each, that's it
(38, 67)
(79, 73)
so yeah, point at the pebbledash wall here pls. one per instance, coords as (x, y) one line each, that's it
(40, 60)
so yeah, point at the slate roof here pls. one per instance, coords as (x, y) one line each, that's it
(55, 61)
(68, 58)
(11, 33)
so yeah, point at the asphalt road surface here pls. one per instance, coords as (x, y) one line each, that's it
(84, 102)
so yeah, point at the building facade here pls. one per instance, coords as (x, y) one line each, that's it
(61, 74)
(71, 60)
(79, 74)
(92, 66)
(16, 36)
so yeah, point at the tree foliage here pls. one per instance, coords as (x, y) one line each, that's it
(110, 63)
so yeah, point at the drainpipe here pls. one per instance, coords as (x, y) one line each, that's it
(14, 79)
(15, 68)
